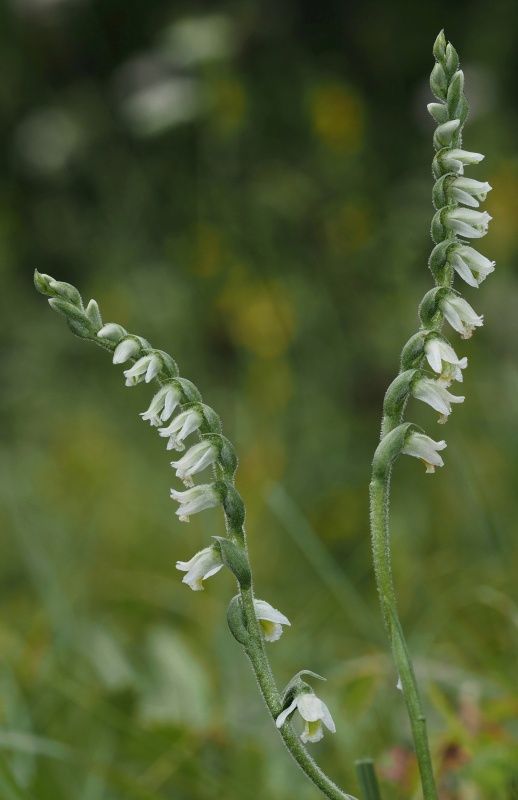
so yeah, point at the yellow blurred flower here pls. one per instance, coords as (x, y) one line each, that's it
(337, 116)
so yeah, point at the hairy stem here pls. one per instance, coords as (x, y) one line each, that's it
(379, 498)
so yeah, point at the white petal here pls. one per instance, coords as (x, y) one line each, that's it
(283, 716)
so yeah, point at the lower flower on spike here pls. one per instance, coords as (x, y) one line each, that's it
(146, 368)
(443, 359)
(162, 405)
(313, 711)
(270, 619)
(435, 393)
(204, 564)
(423, 447)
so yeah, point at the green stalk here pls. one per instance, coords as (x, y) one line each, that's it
(379, 498)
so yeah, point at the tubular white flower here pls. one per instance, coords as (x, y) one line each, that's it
(270, 619)
(128, 348)
(197, 499)
(184, 424)
(469, 191)
(204, 564)
(466, 222)
(436, 395)
(146, 368)
(162, 405)
(471, 265)
(460, 315)
(455, 160)
(313, 711)
(423, 447)
(195, 460)
(443, 359)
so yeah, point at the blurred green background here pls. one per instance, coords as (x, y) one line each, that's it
(247, 185)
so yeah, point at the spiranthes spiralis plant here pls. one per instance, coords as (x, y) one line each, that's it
(429, 365)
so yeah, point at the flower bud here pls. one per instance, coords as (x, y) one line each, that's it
(112, 332)
(126, 349)
(94, 315)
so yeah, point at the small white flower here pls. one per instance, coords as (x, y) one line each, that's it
(111, 331)
(466, 222)
(195, 460)
(146, 368)
(313, 711)
(455, 160)
(184, 424)
(197, 499)
(471, 265)
(443, 359)
(436, 395)
(469, 191)
(162, 405)
(460, 315)
(128, 348)
(423, 447)
(204, 564)
(270, 619)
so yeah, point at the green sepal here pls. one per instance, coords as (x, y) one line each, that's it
(169, 366)
(445, 133)
(226, 465)
(94, 315)
(438, 82)
(439, 265)
(81, 329)
(439, 47)
(439, 112)
(430, 313)
(233, 507)
(211, 422)
(237, 622)
(454, 94)
(451, 60)
(235, 559)
(462, 110)
(439, 231)
(413, 352)
(297, 686)
(67, 309)
(42, 283)
(189, 390)
(66, 292)
(440, 195)
(388, 450)
(397, 395)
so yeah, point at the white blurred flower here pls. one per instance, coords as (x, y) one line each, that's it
(460, 315)
(313, 711)
(471, 265)
(466, 222)
(195, 460)
(270, 619)
(162, 405)
(443, 359)
(196, 499)
(146, 368)
(469, 191)
(204, 564)
(436, 395)
(455, 160)
(184, 424)
(423, 447)
(126, 349)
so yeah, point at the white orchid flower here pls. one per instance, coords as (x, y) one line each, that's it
(471, 265)
(195, 460)
(201, 566)
(162, 405)
(270, 619)
(197, 499)
(423, 447)
(460, 315)
(437, 396)
(313, 711)
(146, 368)
(184, 424)
(443, 359)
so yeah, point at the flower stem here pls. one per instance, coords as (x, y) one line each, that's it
(262, 670)
(379, 495)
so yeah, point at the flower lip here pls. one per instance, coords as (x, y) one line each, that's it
(443, 359)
